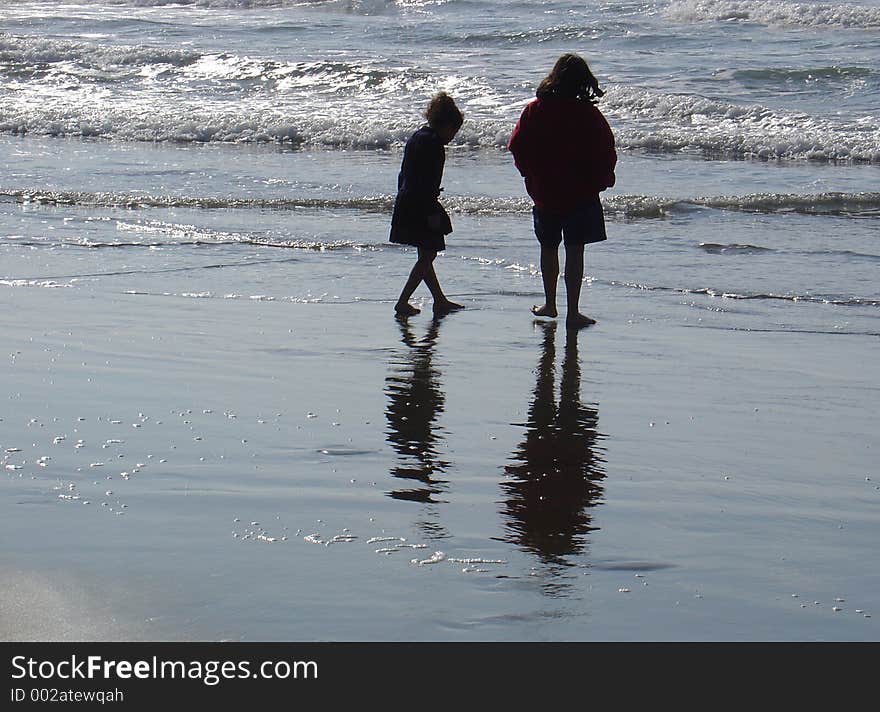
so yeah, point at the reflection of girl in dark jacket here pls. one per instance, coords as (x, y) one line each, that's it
(419, 219)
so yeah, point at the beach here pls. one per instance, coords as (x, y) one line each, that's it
(222, 469)
(214, 428)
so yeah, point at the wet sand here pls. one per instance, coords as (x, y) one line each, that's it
(216, 469)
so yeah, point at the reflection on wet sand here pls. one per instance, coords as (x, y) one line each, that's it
(415, 403)
(557, 471)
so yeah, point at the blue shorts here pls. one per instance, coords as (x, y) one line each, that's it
(582, 226)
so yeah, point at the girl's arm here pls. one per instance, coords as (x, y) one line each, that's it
(519, 144)
(610, 153)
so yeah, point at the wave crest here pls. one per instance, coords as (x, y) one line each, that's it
(680, 123)
(776, 13)
(69, 88)
(856, 205)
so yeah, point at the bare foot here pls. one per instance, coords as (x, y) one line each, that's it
(446, 307)
(405, 309)
(578, 321)
(544, 311)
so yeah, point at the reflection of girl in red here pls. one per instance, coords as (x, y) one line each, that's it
(564, 148)
(555, 478)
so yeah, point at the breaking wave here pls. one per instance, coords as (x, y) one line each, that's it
(855, 205)
(673, 123)
(776, 13)
(75, 88)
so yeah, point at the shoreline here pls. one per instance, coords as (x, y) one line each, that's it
(704, 471)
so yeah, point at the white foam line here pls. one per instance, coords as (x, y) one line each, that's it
(434, 558)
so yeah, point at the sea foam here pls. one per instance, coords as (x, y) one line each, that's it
(776, 12)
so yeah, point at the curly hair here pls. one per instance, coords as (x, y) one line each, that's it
(570, 77)
(442, 111)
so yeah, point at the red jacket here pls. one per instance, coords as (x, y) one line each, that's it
(564, 149)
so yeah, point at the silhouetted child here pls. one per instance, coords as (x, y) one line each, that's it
(564, 148)
(419, 219)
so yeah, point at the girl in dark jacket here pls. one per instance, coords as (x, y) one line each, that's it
(419, 219)
(563, 147)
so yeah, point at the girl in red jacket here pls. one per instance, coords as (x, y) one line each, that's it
(563, 147)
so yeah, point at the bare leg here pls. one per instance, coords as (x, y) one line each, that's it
(416, 275)
(550, 276)
(442, 305)
(574, 277)
(423, 270)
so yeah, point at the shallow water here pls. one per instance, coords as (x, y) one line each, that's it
(197, 290)
(213, 475)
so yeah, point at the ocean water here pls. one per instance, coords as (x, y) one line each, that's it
(234, 162)
(748, 132)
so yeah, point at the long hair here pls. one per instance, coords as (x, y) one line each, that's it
(442, 111)
(571, 78)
